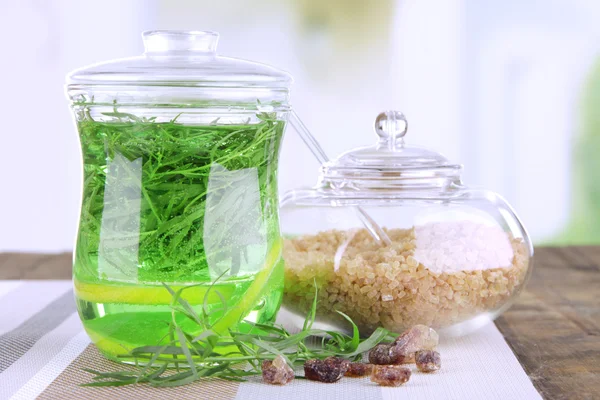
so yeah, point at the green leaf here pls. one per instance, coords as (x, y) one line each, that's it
(355, 333)
(157, 373)
(155, 350)
(271, 350)
(376, 337)
(310, 317)
(122, 115)
(109, 383)
(186, 350)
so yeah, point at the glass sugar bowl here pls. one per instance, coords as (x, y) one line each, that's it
(391, 237)
(180, 150)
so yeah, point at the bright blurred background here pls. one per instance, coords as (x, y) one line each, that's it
(510, 89)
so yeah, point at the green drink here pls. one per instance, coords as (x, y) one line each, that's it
(175, 204)
(179, 225)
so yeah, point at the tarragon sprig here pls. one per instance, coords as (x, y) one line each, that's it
(160, 365)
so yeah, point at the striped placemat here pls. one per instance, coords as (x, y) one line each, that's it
(43, 350)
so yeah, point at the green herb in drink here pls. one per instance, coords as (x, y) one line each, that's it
(177, 203)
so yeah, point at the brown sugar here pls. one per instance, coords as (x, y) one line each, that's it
(387, 286)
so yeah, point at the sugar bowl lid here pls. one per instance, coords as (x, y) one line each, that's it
(390, 164)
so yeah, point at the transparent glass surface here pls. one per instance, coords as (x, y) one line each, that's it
(180, 193)
(458, 257)
(181, 67)
(453, 264)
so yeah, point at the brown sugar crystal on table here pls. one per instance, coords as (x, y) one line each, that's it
(328, 370)
(386, 354)
(277, 372)
(402, 350)
(428, 360)
(419, 337)
(390, 375)
(358, 369)
(380, 354)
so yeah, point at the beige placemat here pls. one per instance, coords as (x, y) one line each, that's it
(43, 350)
(66, 385)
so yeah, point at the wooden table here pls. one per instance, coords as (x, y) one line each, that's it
(553, 328)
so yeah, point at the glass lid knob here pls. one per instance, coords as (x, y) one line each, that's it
(184, 42)
(391, 126)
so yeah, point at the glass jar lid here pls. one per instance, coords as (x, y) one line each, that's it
(183, 66)
(390, 164)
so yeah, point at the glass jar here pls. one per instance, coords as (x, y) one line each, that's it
(180, 149)
(391, 237)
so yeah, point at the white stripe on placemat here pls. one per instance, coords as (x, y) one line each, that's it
(14, 344)
(55, 367)
(478, 366)
(300, 389)
(8, 286)
(39, 355)
(19, 304)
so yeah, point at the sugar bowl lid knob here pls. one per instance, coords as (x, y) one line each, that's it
(391, 125)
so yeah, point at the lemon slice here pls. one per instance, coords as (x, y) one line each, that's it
(159, 295)
(118, 334)
(253, 294)
(154, 295)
